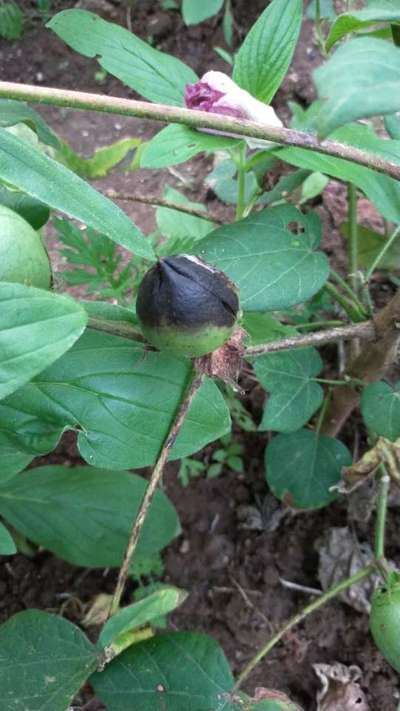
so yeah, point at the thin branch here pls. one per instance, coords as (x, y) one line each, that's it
(365, 331)
(328, 595)
(196, 119)
(149, 200)
(193, 387)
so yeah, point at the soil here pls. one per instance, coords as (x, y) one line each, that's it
(233, 573)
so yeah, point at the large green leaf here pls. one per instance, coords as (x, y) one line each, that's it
(370, 245)
(382, 190)
(7, 545)
(84, 515)
(13, 112)
(153, 74)
(362, 79)
(180, 671)
(140, 613)
(294, 396)
(301, 468)
(273, 266)
(44, 660)
(178, 225)
(43, 178)
(265, 55)
(36, 328)
(378, 11)
(194, 11)
(177, 144)
(119, 398)
(12, 458)
(380, 407)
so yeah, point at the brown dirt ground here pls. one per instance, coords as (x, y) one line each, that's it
(232, 574)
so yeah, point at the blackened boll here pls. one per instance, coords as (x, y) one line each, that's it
(186, 306)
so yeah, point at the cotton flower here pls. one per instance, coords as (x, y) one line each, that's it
(217, 93)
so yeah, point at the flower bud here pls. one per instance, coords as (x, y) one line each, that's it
(218, 94)
(186, 306)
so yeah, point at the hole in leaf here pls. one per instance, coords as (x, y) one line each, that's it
(296, 228)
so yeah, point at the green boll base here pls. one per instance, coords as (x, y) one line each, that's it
(187, 342)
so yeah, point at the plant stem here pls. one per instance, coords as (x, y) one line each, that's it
(353, 237)
(149, 200)
(324, 381)
(317, 324)
(315, 605)
(382, 253)
(365, 331)
(350, 308)
(192, 388)
(381, 512)
(353, 296)
(196, 119)
(125, 330)
(241, 181)
(322, 412)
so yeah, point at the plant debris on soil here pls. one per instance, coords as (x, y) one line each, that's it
(229, 557)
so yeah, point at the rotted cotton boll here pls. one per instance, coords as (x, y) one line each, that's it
(186, 306)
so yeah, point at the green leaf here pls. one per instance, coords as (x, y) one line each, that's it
(314, 185)
(326, 9)
(194, 11)
(370, 244)
(377, 11)
(36, 328)
(11, 21)
(224, 184)
(362, 79)
(301, 468)
(13, 459)
(48, 181)
(285, 185)
(178, 671)
(383, 191)
(262, 328)
(101, 162)
(273, 266)
(392, 125)
(180, 225)
(7, 545)
(84, 515)
(380, 408)
(177, 144)
(120, 399)
(159, 603)
(44, 660)
(264, 57)
(294, 396)
(153, 74)
(33, 211)
(13, 112)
